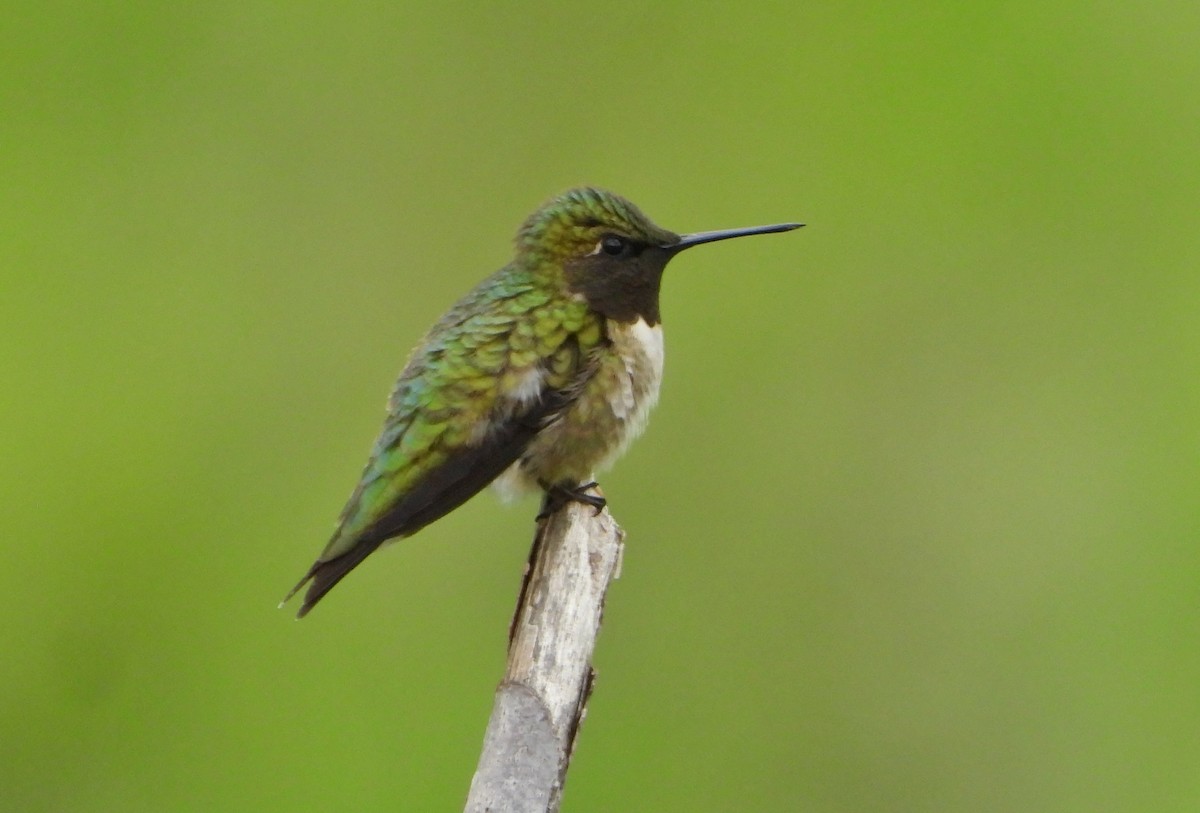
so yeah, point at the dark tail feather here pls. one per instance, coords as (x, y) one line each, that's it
(324, 575)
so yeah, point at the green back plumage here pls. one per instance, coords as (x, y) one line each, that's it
(463, 380)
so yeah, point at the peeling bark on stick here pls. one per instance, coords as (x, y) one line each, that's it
(542, 699)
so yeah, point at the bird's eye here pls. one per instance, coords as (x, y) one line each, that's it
(613, 245)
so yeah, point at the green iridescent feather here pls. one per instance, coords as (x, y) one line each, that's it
(461, 378)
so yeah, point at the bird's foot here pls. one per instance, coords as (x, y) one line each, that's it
(559, 495)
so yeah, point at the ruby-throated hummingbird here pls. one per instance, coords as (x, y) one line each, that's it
(535, 379)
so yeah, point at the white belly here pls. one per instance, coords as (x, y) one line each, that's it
(612, 409)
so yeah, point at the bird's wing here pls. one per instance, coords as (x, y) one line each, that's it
(472, 397)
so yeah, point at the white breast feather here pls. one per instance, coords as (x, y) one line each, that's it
(651, 340)
(528, 387)
(641, 347)
(511, 401)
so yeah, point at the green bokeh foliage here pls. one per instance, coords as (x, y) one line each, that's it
(914, 527)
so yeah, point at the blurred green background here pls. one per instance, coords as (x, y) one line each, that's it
(914, 527)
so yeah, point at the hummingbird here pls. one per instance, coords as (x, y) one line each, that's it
(537, 378)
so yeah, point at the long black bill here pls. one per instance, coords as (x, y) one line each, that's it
(689, 240)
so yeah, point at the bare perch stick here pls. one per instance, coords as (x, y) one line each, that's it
(541, 701)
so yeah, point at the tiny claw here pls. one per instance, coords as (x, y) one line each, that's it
(559, 495)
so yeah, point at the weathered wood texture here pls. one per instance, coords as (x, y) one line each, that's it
(542, 699)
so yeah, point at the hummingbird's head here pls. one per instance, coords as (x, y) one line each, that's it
(572, 225)
(609, 252)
